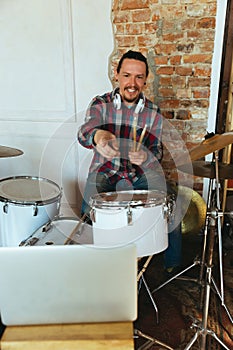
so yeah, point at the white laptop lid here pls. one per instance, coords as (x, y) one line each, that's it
(67, 284)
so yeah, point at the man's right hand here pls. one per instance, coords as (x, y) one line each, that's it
(106, 144)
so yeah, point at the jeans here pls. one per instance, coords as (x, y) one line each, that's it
(97, 183)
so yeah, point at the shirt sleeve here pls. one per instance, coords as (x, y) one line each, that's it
(93, 121)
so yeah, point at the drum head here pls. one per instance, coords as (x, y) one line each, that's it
(124, 198)
(28, 190)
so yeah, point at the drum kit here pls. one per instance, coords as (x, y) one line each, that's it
(122, 217)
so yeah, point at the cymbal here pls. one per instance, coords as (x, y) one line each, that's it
(194, 218)
(9, 152)
(207, 169)
(209, 145)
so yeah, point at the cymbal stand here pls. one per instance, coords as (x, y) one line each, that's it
(202, 329)
(196, 261)
(217, 214)
(213, 219)
(138, 333)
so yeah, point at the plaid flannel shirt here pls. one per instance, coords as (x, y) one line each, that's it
(102, 114)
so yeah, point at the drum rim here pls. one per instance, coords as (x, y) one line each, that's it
(100, 203)
(51, 224)
(64, 218)
(30, 202)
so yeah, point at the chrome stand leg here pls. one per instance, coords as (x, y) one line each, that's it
(151, 341)
(152, 299)
(176, 276)
(138, 333)
(203, 331)
(141, 277)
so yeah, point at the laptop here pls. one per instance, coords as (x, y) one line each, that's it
(67, 284)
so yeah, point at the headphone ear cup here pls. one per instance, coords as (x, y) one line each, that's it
(140, 106)
(117, 101)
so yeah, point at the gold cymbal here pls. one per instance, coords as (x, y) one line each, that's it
(211, 145)
(194, 218)
(207, 169)
(208, 146)
(9, 152)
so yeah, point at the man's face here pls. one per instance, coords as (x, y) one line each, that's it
(131, 78)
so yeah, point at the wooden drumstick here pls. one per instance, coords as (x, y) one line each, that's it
(141, 138)
(71, 236)
(134, 136)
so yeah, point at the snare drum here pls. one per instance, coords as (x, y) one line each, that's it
(26, 203)
(119, 218)
(58, 232)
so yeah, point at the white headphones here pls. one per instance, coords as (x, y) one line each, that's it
(117, 101)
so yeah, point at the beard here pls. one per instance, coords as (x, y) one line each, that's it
(129, 99)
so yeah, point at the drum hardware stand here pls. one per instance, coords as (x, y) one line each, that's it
(213, 217)
(140, 276)
(151, 341)
(138, 333)
(202, 329)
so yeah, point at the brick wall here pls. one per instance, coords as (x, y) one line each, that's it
(177, 37)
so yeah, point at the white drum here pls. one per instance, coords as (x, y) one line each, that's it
(26, 203)
(119, 218)
(59, 232)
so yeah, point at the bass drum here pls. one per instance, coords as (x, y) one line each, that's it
(26, 203)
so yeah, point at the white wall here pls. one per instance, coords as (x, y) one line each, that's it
(54, 59)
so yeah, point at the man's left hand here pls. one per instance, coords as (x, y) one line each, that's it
(138, 157)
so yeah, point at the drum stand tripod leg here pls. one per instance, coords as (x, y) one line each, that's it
(151, 341)
(138, 333)
(196, 262)
(142, 278)
(215, 212)
(200, 262)
(203, 331)
(151, 298)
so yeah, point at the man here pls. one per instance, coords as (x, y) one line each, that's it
(124, 129)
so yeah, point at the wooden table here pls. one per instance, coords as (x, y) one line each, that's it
(87, 336)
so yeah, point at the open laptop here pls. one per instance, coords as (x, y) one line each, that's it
(67, 284)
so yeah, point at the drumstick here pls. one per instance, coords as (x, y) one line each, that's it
(134, 136)
(71, 236)
(141, 137)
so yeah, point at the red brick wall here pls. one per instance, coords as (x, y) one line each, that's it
(177, 37)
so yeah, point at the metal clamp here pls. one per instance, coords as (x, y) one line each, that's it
(5, 208)
(129, 215)
(92, 215)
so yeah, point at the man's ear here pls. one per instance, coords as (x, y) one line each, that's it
(115, 74)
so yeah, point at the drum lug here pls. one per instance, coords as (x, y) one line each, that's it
(92, 215)
(165, 211)
(35, 210)
(170, 207)
(47, 227)
(129, 215)
(5, 208)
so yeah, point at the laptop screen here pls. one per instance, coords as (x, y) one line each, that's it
(67, 284)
